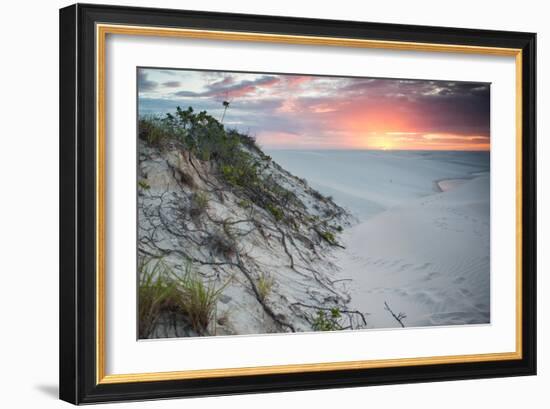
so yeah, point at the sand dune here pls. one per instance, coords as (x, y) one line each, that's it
(428, 259)
(423, 251)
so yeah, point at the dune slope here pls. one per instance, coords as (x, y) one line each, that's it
(428, 259)
(423, 251)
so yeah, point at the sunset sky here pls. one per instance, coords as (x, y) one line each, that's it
(314, 112)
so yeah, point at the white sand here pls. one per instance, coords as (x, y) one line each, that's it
(424, 252)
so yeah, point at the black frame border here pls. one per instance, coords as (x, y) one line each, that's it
(78, 197)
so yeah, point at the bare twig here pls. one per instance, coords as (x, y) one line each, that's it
(399, 317)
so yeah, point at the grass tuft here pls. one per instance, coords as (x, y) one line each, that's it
(156, 293)
(197, 299)
(265, 285)
(199, 204)
(161, 290)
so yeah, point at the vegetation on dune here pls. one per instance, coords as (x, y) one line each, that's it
(144, 185)
(154, 130)
(222, 163)
(199, 204)
(197, 299)
(329, 237)
(276, 211)
(265, 285)
(236, 156)
(206, 138)
(162, 290)
(157, 293)
(328, 320)
(244, 203)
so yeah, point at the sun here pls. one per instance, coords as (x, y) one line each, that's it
(379, 141)
(386, 144)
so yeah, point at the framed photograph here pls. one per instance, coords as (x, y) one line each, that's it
(257, 203)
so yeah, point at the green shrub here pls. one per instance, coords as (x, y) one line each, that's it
(248, 141)
(144, 185)
(154, 130)
(231, 174)
(328, 237)
(276, 211)
(242, 173)
(204, 154)
(244, 203)
(327, 321)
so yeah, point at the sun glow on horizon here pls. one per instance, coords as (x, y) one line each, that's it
(383, 141)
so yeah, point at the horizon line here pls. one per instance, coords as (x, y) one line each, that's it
(371, 149)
